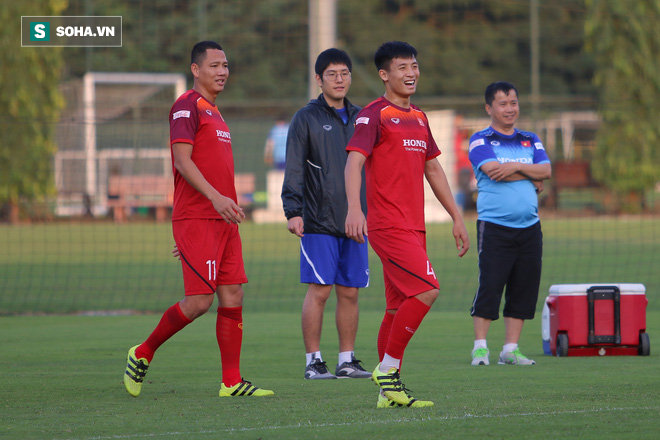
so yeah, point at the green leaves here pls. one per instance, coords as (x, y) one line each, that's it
(625, 41)
(29, 105)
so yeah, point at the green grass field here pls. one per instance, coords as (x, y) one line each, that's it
(72, 267)
(62, 379)
(62, 370)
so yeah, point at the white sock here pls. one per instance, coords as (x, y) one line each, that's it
(345, 356)
(480, 343)
(509, 348)
(388, 363)
(313, 356)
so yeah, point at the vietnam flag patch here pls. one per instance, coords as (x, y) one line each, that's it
(526, 143)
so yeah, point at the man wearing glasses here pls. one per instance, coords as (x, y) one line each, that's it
(315, 205)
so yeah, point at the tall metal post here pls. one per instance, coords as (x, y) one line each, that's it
(202, 21)
(535, 61)
(322, 35)
(89, 113)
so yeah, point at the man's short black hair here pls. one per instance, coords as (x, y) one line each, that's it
(390, 50)
(331, 56)
(199, 51)
(499, 86)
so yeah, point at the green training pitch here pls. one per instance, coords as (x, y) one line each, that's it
(97, 266)
(62, 375)
(62, 379)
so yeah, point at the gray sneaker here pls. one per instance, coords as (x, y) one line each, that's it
(514, 357)
(480, 356)
(318, 370)
(352, 369)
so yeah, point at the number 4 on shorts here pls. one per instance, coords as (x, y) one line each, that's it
(429, 269)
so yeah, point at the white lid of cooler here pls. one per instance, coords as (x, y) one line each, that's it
(567, 289)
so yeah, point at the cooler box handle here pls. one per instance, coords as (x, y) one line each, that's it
(595, 293)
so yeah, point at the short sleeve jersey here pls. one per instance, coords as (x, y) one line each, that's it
(196, 121)
(397, 143)
(513, 204)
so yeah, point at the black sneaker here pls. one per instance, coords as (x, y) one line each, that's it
(352, 369)
(318, 370)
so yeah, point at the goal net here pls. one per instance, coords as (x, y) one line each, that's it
(114, 125)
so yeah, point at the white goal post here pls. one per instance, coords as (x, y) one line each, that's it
(94, 184)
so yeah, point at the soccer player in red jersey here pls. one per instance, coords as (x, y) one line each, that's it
(205, 220)
(393, 141)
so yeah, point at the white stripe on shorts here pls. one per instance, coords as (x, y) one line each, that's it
(318, 277)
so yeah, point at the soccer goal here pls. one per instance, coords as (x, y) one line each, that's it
(114, 124)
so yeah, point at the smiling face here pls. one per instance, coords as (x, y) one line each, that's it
(504, 111)
(400, 80)
(211, 75)
(334, 83)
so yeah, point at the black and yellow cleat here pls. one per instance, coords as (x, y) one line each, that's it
(136, 369)
(243, 388)
(384, 402)
(394, 390)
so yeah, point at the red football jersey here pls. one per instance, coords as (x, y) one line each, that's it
(196, 121)
(397, 143)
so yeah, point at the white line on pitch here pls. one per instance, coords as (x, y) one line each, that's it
(368, 422)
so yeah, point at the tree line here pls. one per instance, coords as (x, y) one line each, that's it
(605, 49)
(463, 45)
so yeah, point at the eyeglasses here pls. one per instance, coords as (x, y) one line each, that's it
(332, 75)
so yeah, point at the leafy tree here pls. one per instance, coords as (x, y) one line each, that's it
(265, 41)
(29, 104)
(625, 39)
(463, 45)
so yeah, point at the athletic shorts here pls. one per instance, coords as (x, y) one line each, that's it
(508, 257)
(406, 267)
(327, 260)
(211, 254)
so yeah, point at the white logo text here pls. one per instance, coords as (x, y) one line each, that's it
(223, 135)
(414, 143)
(181, 114)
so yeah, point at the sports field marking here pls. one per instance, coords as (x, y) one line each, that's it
(371, 422)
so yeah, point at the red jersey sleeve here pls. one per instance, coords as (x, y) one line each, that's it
(432, 150)
(367, 132)
(184, 122)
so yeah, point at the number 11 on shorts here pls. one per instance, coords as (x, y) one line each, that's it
(211, 265)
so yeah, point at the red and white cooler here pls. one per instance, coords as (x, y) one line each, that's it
(596, 319)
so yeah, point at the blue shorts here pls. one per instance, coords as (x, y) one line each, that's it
(325, 259)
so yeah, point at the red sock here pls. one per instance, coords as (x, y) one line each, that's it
(405, 324)
(384, 334)
(173, 320)
(229, 331)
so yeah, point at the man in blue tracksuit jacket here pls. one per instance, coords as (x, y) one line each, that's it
(510, 166)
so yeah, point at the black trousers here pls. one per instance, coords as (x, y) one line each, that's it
(508, 257)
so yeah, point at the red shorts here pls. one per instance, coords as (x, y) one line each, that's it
(406, 267)
(211, 254)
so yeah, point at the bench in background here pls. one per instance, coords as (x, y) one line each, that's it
(144, 191)
(157, 191)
